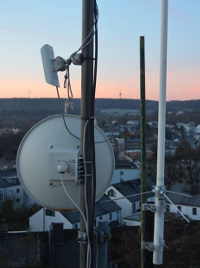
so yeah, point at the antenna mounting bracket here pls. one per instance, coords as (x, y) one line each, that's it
(150, 207)
(151, 247)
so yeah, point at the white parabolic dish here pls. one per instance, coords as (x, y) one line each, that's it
(41, 150)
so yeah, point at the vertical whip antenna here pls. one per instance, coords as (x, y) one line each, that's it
(160, 187)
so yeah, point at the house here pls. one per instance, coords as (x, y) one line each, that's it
(132, 144)
(127, 195)
(196, 133)
(133, 127)
(6, 131)
(169, 151)
(11, 189)
(180, 125)
(136, 154)
(189, 127)
(42, 219)
(133, 123)
(153, 124)
(124, 144)
(125, 174)
(189, 206)
(179, 113)
(133, 220)
(120, 144)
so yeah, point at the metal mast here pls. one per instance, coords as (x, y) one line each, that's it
(87, 111)
(143, 143)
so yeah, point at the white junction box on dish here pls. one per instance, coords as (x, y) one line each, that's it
(59, 155)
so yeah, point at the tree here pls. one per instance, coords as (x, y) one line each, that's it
(15, 219)
(125, 247)
(20, 251)
(183, 150)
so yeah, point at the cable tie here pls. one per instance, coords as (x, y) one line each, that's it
(88, 119)
(85, 58)
(87, 175)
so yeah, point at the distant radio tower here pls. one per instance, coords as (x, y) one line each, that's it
(120, 95)
(13, 123)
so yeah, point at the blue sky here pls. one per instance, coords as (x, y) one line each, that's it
(25, 26)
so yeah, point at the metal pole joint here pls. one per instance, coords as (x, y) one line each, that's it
(159, 191)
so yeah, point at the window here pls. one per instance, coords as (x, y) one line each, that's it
(18, 190)
(50, 213)
(95, 222)
(167, 208)
(118, 216)
(133, 208)
(100, 218)
(194, 211)
(110, 216)
(76, 226)
(10, 194)
(112, 193)
(140, 204)
(179, 207)
(121, 172)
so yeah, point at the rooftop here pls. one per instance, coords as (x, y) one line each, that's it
(100, 209)
(132, 187)
(187, 189)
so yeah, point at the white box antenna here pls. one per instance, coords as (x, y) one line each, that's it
(49, 65)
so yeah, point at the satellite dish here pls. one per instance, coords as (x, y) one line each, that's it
(45, 146)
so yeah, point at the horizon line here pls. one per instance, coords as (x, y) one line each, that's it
(95, 99)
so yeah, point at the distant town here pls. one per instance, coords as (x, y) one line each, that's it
(22, 219)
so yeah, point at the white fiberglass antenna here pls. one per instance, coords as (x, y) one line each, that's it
(160, 187)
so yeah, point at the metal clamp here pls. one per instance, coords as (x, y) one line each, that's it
(151, 247)
(148, 245)
(102, 236)
(82, 237)
(151, 207)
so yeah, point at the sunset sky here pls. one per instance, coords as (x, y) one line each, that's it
(25, 26)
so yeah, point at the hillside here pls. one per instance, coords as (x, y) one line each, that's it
(51, 104)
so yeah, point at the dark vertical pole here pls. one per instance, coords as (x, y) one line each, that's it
(149, 231)
(143, 142)
(102, 245)
(147, 217)
(87, 111)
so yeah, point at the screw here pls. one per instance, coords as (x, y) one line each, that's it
(51, 183)
(51, 146)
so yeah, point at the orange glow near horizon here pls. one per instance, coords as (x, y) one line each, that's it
(130, 89)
